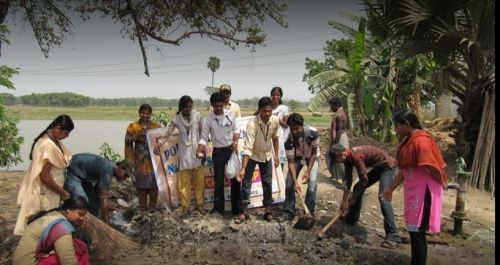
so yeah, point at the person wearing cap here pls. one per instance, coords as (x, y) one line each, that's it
(338, 135)
(383, 170)
(89, 176)
(222, 126)
(302, 149)
(232, 106)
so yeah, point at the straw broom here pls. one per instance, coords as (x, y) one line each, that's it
(108, 242)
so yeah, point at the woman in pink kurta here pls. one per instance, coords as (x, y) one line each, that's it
(421, 169)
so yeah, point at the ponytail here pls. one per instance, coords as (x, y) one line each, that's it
(73, 203)
(64, 121)
(405, 115)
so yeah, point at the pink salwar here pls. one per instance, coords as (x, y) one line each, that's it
(416, 181)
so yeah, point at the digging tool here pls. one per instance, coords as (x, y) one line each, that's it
(307, 221)
(321, 233)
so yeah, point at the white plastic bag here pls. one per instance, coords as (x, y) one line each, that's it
(233, 166)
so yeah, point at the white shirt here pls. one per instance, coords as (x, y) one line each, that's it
(189, 135)
(221, 129)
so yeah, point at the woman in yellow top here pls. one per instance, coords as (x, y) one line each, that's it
(49, 237)
(137, 152)
(42, 186)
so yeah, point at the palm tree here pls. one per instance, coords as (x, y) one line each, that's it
(213, 64)
(459, 36)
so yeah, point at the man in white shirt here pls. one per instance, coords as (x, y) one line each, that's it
(222, 127)
(260, 142)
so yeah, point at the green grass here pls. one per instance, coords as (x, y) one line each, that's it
(128, 113)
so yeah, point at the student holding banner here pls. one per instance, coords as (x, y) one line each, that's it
(137, 152)
(189, 124)
(261, 140)
(222, 126)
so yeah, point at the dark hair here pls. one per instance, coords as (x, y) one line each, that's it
(183, 103)
(73, 203)
(277, 88)
(146, 107)
(295, 119)
(217, 97)
(335, 149)
(64, 121)
(263, 101)
(336, 101)
(405, 115)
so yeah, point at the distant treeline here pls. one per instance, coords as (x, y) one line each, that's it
(67, 99)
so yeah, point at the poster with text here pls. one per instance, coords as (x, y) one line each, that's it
(165, 166)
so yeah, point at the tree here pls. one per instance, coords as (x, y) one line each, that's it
(213, 64)
(293, 104)
(172, 22)
(10, 144)
(459, 36)
(348, 74)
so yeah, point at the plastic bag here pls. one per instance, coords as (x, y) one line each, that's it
(233, 166)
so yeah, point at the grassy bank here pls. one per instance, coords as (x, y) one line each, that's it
(127, 113)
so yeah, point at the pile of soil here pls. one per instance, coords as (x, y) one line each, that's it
(166, 238)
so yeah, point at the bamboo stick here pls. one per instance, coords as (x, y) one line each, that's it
(477, 151)
(489, 143)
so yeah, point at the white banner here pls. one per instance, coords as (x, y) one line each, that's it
(166, 168)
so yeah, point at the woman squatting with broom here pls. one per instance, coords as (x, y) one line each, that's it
(49, 237)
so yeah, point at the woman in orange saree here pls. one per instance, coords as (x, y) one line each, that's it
(137, 152)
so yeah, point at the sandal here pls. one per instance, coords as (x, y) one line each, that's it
(269, 217)
(389, 244)
(240, 218)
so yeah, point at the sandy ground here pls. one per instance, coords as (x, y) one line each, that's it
(165, 238)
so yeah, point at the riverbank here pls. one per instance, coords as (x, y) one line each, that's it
(168, 239)
(130, 113)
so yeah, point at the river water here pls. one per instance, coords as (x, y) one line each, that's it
(87, 136)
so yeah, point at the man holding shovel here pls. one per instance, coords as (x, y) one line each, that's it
(302, 148)
(383, 171)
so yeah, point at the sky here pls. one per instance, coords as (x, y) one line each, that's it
(97, 61)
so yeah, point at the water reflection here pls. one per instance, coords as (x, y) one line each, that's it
(87, 136)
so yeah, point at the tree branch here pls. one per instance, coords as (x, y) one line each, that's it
(138, 28)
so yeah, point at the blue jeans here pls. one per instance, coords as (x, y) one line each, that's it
(266, 176)
(310, 200)
(385, 177)
(78, 187)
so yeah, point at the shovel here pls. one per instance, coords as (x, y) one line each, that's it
(321, 233)
(307, 221)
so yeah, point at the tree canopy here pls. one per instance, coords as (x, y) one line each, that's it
(171, 22)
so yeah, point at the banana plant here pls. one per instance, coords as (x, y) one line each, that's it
(348, 76)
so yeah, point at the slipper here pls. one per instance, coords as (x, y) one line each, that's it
(239, 219)
(269, 217)
(389, 244)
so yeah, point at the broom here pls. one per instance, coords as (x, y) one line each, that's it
(107, 241)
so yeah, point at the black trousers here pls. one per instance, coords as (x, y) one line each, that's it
(418, 241)
(220, 157)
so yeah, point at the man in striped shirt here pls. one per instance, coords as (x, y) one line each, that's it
(302, 149)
